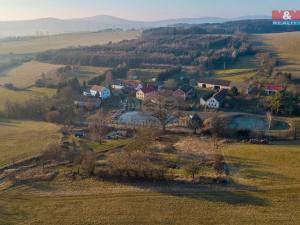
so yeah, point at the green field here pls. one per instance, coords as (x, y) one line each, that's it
(21, 96)
(21, 139)
(264, 189)
(40, 44)
(25, 75)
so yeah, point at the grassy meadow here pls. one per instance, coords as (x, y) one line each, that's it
(21, 139)
(24, 95)
(26, 74)
(264, 189)
(39, 44)
(287, 47)
(236, 75)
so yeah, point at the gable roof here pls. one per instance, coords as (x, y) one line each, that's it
(215, 82)
(118, 82)
(185, 88)
(275, 87)
(132, 83)
(148, 89)
(220, 96)
(98, 88)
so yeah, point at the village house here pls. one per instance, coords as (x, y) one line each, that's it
(118, 84)
(214, 84)
(88, 103)
(104, 93)
(146, 92)
(272, 89)
(133, 84)
(184, 93)
(215, 101)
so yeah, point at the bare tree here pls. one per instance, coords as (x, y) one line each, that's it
(163, 108)
(108, 78)
(142, 141)
(88, 162)
(98, 127)
(269, 118)
(51, 153)
(195, 123)
(192, 169)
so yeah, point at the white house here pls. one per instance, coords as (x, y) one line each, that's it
(214, 84)
(215, 101)
(118, 85)
(104, 93)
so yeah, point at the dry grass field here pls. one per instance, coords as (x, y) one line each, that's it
(264, 189)
(287, 46)
(237, 75)
(40, 44)
(25, 75)
(21, 96)
(21, 139)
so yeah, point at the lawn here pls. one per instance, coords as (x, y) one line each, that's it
(21, 96)
(264, 189)
(26, 74)
(21, 139)
(40, 44)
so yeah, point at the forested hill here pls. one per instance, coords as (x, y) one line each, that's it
(245, 26)
(209, 45)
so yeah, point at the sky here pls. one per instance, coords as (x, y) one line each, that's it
(143, 10)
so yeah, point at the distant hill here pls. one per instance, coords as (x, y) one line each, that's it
(250, 26)
(50, 26)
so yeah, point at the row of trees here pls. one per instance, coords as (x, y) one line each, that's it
(181, 49)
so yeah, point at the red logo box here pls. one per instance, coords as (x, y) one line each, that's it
(286, 14)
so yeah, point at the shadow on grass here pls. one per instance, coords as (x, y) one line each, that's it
(233, 194)
(43, 186)
(252, 169)
(8, 123)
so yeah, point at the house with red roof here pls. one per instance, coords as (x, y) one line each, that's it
(146, 92)
(272, 89)
(185, 92)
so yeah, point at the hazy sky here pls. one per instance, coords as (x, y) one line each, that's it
(140, 9)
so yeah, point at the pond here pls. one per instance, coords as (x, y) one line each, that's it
(137, 118)
(246, 122)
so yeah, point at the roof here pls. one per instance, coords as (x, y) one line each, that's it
(98, 88)
(220, 96)
(132, 83)
(149, 88)
(215, 82)
(186, 88)
(275, 87)
(118, 82)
